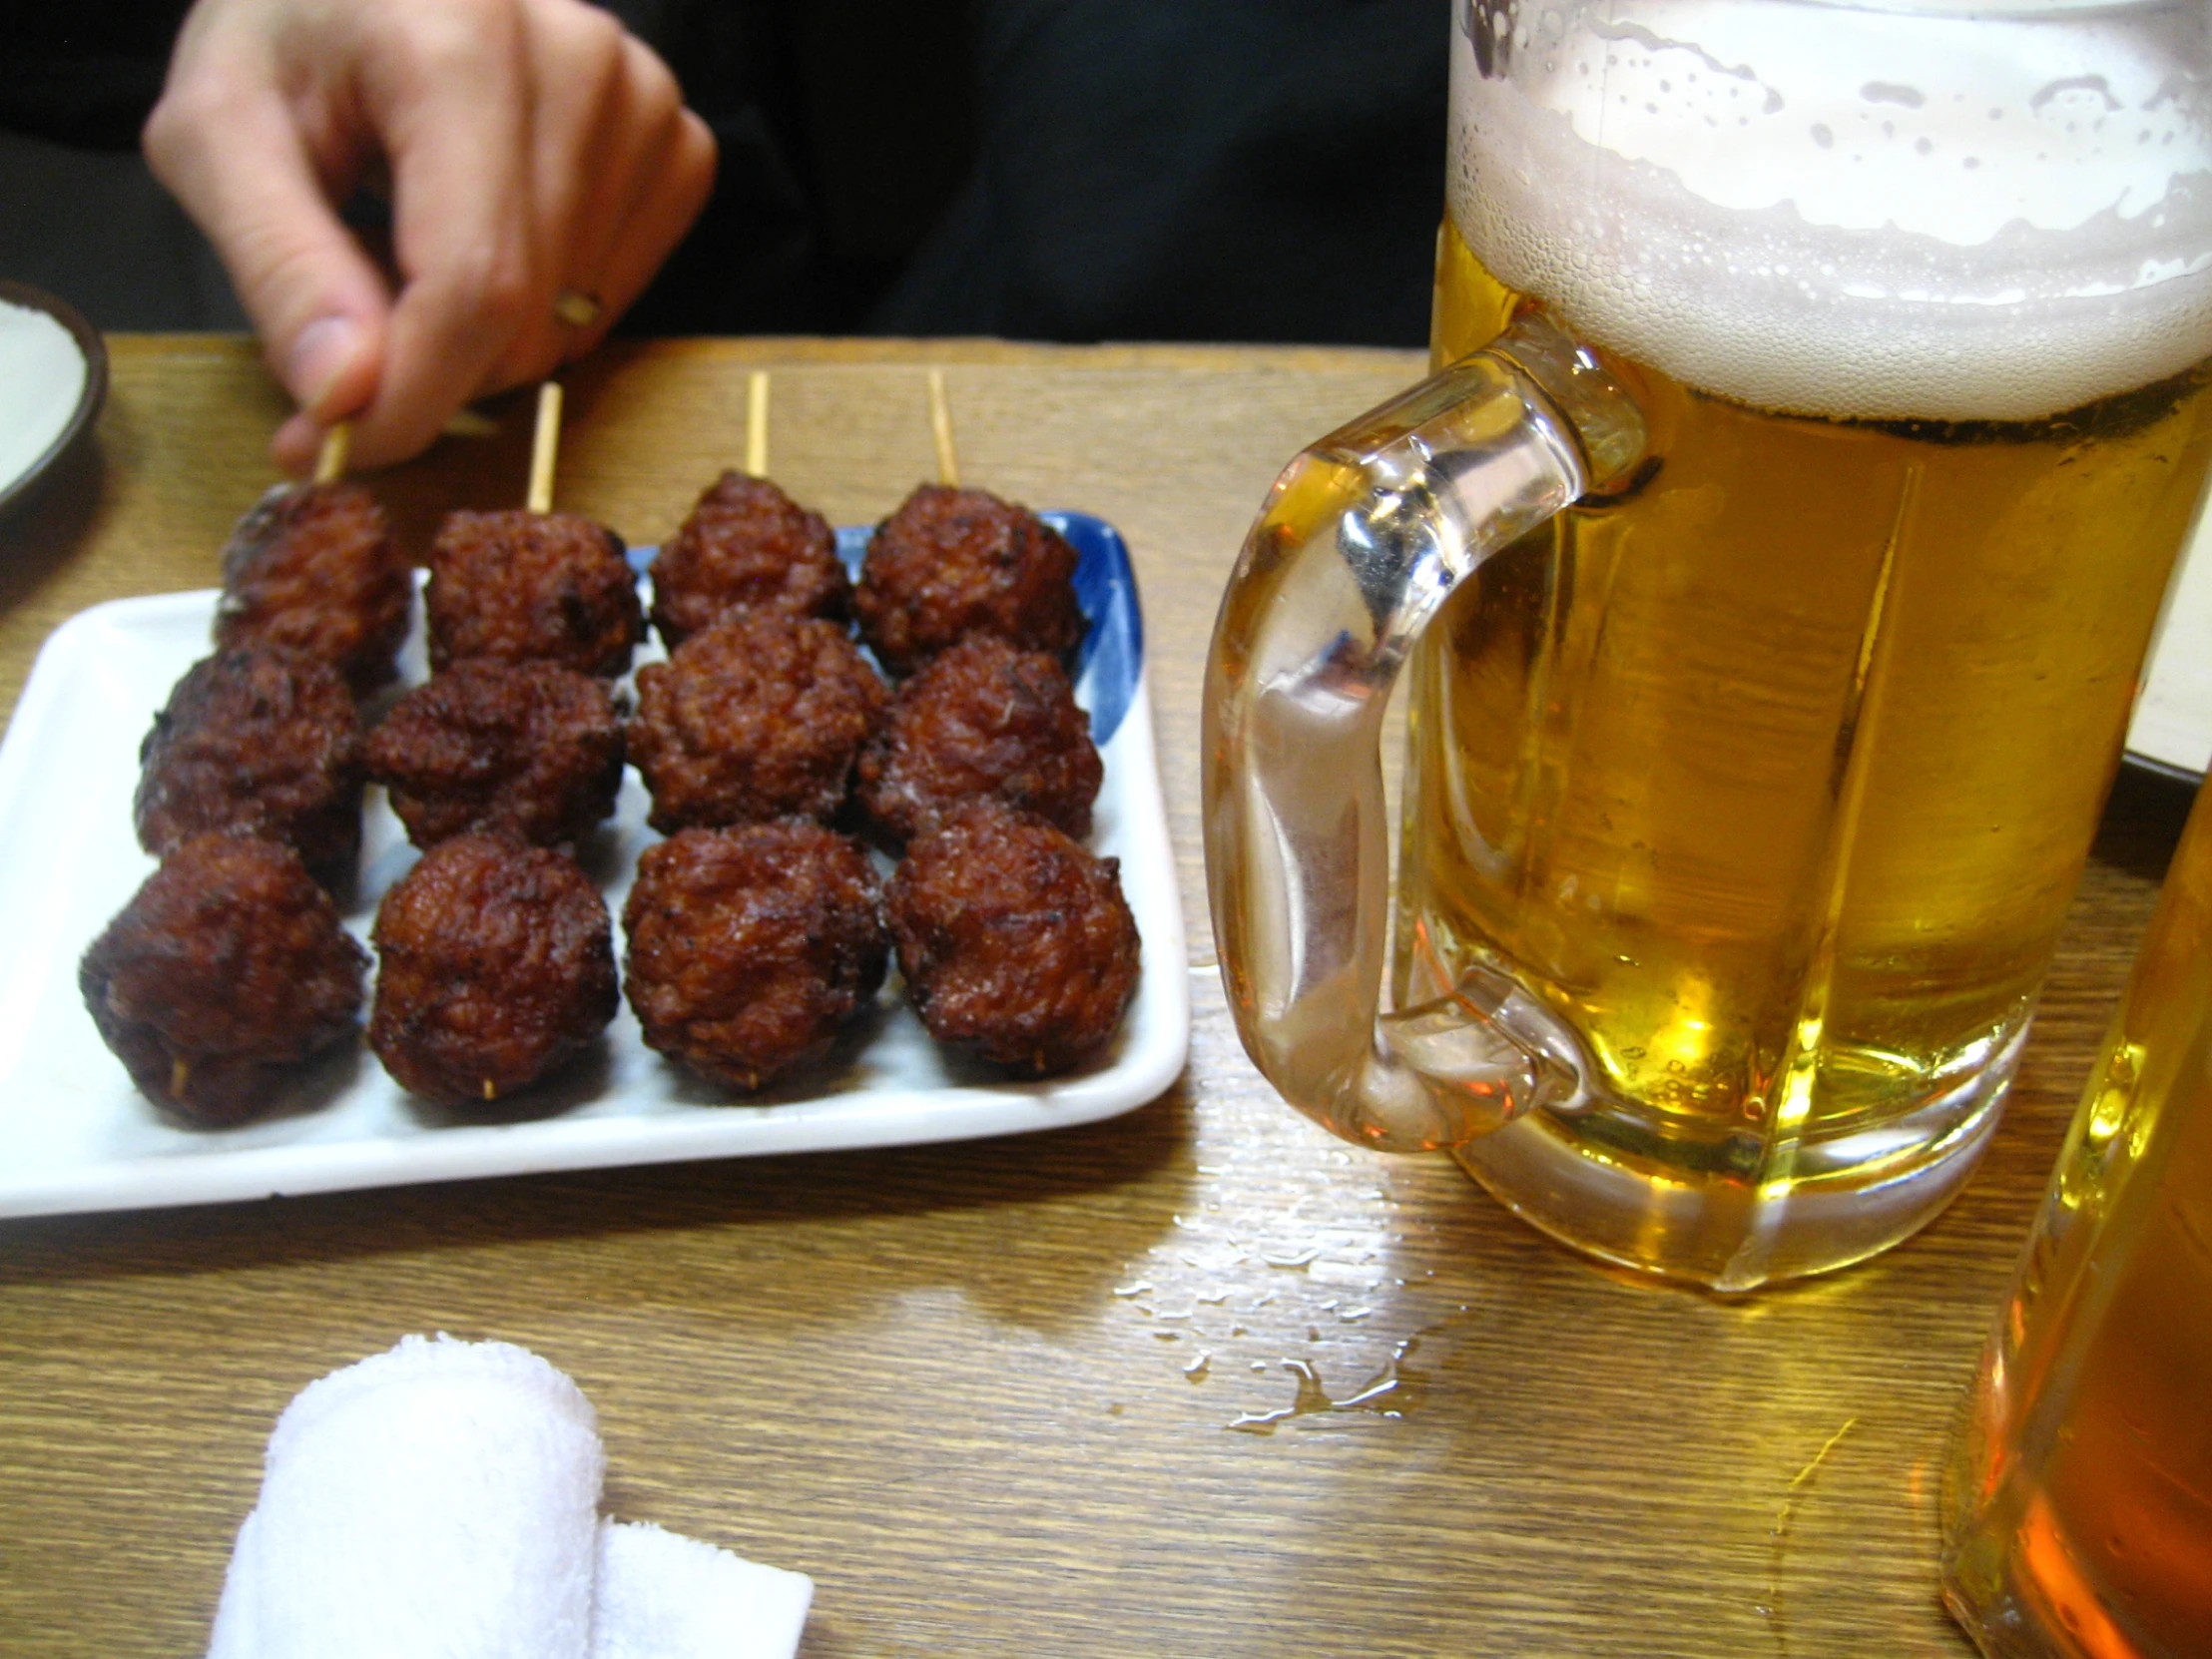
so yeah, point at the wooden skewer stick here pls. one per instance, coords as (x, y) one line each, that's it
(545, 445)
(755, 423)
(330, 460)
(940, 425)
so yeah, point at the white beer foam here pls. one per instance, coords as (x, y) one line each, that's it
(1759, 200)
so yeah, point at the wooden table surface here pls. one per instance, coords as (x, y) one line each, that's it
(996, 1397)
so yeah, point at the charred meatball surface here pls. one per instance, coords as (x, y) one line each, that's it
(533, 748)
(495, 966)
(747, 545)
(313, 569)
(265, 740)
(953, 562)
(1015, 941)
(983, 719)
(749, 948)
(226, 968)
(758, 717)
(523, 587)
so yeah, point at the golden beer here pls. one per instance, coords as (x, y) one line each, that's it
(1772, 777)
(2079, 1497)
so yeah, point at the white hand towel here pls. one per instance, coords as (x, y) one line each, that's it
(665, 1596)
(437, 1499)
(440, 1501)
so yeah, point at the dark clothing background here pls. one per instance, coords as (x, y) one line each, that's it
(1072, 170)
(83, 72)
(1252, 170)
(80, 215)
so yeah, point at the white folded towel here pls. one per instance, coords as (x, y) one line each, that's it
(440, 1501)
(665, 1596)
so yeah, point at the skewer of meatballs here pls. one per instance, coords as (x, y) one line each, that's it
(773, 754)
(230, 970)
(496, 951)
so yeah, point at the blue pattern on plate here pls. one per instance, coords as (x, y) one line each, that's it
(1112, 654)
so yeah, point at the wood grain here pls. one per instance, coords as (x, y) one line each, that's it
(988, 1395)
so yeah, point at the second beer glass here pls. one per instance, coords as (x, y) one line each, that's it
(2078, 1500)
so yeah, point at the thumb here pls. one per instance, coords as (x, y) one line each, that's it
(242, 172)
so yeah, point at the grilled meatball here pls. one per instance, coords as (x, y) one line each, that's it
(225, 970)
(495, 966)
(260, 739)
(533, 748)
(1014, 940)
(313, 568)
(983, 719)
(747, 544)
(758, 717)
(523, 587)
(749, 948)
(954, 562)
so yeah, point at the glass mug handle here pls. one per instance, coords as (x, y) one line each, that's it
(1360, 542)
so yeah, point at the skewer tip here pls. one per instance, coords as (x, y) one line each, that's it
(330, 460)
(545, 443)
(941, 428)
(755, 423)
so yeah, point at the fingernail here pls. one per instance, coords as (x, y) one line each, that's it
(321, 354)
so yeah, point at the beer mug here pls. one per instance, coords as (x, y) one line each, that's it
(1826, 400)
(2079, 1501)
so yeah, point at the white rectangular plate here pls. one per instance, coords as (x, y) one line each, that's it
(74, 1135)
(2172, 728)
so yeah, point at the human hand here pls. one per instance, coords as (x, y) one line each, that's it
(531, 149)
